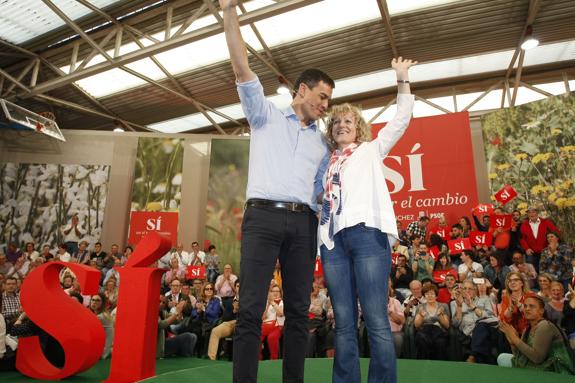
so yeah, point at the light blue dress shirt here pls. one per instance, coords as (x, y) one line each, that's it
(285, 157)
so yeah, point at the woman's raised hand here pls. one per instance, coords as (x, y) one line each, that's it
(400, 64)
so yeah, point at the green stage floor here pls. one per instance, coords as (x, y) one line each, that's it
(319, 371)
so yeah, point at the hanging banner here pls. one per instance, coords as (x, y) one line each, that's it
(144, 222)
(426, 175)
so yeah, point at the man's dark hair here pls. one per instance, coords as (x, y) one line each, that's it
(311, 77)
(98, 243)
(457, 226)
(424, 218)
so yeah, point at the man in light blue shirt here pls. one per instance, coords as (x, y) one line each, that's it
(287, 158)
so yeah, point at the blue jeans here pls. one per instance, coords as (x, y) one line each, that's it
(359, 265)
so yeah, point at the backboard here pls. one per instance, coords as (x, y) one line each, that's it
(13, 116)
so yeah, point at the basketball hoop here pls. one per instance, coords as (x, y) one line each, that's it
(48, 116)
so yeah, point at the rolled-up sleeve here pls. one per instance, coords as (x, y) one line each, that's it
(257, 108)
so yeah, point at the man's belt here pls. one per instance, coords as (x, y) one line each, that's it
(289, 206)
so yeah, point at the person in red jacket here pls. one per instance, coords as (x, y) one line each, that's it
(534, 235)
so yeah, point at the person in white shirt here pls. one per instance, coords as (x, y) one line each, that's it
(73, 232)
(357, 230)
(197, 257)
(62, 254)
(469, 268)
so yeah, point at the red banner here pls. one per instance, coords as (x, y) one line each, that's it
(196, 272)
(456, 246)
(501, 221)
(426, 177)
(506, 194)
(480, 238)
(144, 222)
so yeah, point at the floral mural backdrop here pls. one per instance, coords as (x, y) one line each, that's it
(226, 197)
(532, 148)
(37, 200)
(158, 175)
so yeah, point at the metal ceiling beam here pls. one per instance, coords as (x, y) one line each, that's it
(482, 95)
(83, 109)
(382, 4)
(23, 73)
(174, 42)
(534, 6)
(517, 77)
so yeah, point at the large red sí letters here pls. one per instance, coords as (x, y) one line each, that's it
(77, 330)
(83, 337)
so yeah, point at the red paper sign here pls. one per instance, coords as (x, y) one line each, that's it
(424, 178)
(434, 251)
(456, 246)
(506, 194)
(501, 221)
(318, 269)
(442, 232)
(480, 238)
(196, 272)
(144, 222)
(483, 209)
(439, 275)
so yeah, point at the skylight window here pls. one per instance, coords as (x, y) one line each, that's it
(21, 21)
(422, 72)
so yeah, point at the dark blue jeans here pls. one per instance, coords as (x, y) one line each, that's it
(359, 265)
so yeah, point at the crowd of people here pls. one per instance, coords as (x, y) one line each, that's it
(480, 305)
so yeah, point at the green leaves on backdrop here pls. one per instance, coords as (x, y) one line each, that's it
(158, 175)
(532, 148)
(226, 197)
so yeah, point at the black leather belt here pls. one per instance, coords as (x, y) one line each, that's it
(289, 206)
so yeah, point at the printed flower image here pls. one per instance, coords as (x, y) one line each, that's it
(38, 200)
(158, 175)
(535, 155)
(226, 197)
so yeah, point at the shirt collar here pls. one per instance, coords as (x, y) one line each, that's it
(289, 113)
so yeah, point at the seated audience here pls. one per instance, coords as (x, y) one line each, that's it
(396, 320)
(466, 311)
(423, 263)
(442, 268)
(568, 321)
(111, 290)
(7, 348)
(31, 254)
(98, 306)
(542, 346)
(212, 262)
(556, 260)
(554, 306)
(273, 321)
(5, 265)
(402, 275)
(446, 293)
(182, 344)
(527, 270)
(431, 323)
(228, 325)
(468, 267)
(512, 302)
(496, 270)
(10, 301)
(544, 281)
(206, 315)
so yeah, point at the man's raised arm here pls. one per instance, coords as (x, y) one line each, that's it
(236, 44)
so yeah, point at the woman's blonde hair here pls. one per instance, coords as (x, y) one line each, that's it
(526, 288)
(363, 128)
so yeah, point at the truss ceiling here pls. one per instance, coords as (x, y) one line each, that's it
(444, 30)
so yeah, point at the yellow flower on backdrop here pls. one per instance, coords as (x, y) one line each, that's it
(503, 166)
(560, 202)
(556, 132)
(492, 176)
(520, 156)
(522, 206)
